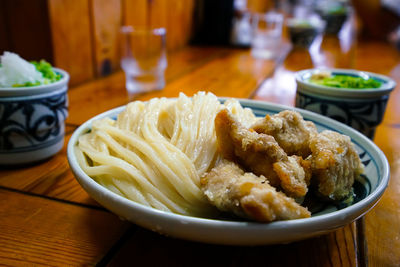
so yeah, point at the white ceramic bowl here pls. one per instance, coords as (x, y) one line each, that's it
(325, 218)
(32, 121)
(362, 109)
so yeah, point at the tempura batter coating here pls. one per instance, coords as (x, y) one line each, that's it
(258, 153)
(335, 164)
(290, 130)
(295, 175)
(230, 189)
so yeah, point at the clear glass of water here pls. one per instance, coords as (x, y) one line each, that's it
(143, 58)
(267, 35)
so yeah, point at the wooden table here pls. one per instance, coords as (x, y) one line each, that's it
(47, 218)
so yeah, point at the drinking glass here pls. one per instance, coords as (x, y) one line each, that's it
(267, 33)
(143, 58)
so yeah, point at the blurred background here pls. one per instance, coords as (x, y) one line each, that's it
(82, 36)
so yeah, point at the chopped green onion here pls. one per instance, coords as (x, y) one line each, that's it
(345, 81)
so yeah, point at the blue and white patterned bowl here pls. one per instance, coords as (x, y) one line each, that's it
(326, 217)
(32, 121)
(362, 109)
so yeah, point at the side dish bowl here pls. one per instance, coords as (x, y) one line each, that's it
(334, 14)
(32, 121)
(369, 188)
(362, 109)
(303, 32)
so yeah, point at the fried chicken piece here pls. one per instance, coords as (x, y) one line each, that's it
(258, 153)
(295, 175)
(290, 130)
(230, 189)
(335, 164)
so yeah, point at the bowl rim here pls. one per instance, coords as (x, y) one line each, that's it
(304, 85)
(36, 90)
(319, 224)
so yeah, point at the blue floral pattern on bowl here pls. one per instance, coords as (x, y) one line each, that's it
(364, 116)
(27, 125)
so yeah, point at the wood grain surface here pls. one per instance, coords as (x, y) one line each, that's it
(46, 218)
(81, 36)
(40, 231)
(106, 21)
(72, 52)
(21, 23)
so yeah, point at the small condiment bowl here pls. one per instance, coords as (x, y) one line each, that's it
(32, 121)
(362, 109)
(302, 32)
(334, 14)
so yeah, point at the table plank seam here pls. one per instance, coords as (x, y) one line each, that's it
(117, 246)
(75, 125)
(327, 250)
(347, 245)
(338, 248)
(53, 198)
(362, 249)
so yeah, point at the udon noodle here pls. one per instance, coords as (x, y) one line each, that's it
(155, 152)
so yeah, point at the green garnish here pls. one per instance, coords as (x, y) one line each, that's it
(345, 81)
(27, 84)
(49, 75)
(303, 24)
(337, 10)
